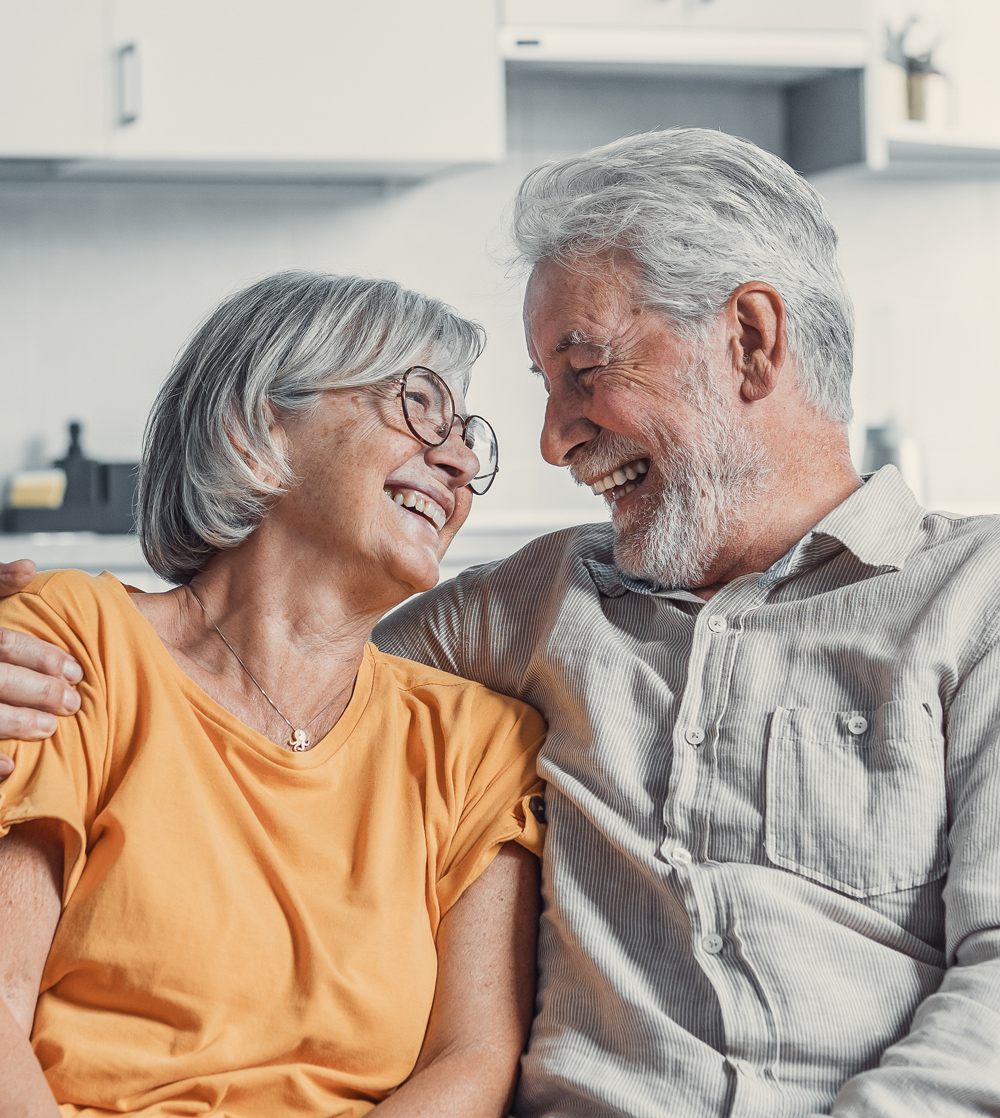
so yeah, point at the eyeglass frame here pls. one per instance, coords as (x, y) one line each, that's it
(465, 420)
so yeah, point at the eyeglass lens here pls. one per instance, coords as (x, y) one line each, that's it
(481, 440)
(429, 409)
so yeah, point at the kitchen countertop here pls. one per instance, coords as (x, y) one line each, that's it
(488, 535)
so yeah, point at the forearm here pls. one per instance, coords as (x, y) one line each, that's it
(30, 885)
(468, 1065)
(25, 1093)
(948, 1065)
(462, 1084)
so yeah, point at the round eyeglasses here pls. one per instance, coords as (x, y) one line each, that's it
(429, 411)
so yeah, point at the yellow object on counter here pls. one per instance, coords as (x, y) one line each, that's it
(37, 489)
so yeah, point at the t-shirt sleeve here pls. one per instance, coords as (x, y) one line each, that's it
(503, 798)
(60, 778)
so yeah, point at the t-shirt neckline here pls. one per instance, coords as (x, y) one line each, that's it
(322, 751)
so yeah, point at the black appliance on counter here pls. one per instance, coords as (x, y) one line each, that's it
(99, 497)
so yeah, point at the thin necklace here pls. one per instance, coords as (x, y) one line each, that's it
(299, 742)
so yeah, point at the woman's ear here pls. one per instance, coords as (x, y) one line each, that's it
(758, 338)
(269, 481)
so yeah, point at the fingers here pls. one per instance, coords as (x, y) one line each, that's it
(22, 687)
(28, 698)
(24, 651)
(34, 676)
(15, 576)
(23, 724)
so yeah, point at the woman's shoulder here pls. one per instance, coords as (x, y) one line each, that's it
(73, 609)
(75, 589)
(70, 594)
(455, 700)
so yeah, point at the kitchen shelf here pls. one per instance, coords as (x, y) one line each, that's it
(774, 57)
(919, 149)
(828, 79)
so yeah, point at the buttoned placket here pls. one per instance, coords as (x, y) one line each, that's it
(701, 885)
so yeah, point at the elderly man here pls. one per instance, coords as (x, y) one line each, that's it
(772, 873)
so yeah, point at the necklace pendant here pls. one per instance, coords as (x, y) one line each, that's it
(299, 741)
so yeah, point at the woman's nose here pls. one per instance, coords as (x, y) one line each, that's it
(454, 457)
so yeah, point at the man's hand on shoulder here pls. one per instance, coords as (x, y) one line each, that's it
(34, 676)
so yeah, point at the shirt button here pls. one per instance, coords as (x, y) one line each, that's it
(694, 736)
(857, 724)
(712, 943)
(717, 623)
(681, 856)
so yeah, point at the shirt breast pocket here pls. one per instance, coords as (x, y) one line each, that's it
(855, 799)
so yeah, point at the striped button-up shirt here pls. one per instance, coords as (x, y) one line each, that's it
(772, 870)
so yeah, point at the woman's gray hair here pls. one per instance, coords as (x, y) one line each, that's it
(271, 350)
(700, 213)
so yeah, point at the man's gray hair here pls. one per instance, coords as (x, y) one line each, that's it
(700, 213)
(210, 468)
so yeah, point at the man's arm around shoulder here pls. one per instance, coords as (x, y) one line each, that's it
(35, 677)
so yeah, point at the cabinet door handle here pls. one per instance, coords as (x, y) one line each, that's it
(129, 84)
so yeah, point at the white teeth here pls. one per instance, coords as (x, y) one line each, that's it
(620, 477)
(420, 504)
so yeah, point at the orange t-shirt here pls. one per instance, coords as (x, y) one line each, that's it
(248, 931)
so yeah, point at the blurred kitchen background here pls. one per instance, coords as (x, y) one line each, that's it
(157, 154)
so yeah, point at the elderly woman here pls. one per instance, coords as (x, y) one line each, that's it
(268, 870)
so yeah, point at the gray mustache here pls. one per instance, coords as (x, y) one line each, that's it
(604, 454)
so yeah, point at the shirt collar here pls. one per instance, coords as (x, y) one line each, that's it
(879, 524)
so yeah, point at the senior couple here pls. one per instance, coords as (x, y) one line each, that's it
(268, 868)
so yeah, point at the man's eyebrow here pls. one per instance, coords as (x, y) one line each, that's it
(580, 337)
(533, 368)
(576, 337)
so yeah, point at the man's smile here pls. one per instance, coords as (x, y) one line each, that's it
(628, 476)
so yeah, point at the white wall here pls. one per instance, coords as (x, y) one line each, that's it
(101, 283)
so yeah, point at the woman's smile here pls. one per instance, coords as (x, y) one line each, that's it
(418, 503)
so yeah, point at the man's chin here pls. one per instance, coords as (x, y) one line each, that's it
(657, 554)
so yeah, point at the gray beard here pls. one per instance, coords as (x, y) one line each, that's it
(699, 496)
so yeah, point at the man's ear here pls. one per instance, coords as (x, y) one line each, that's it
(758, 340)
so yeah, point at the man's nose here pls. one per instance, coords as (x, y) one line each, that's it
(566, 427)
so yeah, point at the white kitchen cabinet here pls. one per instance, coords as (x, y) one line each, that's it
(588, 13)
(323, 89)
(782, 15)
(307, 81)
(54, 80)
